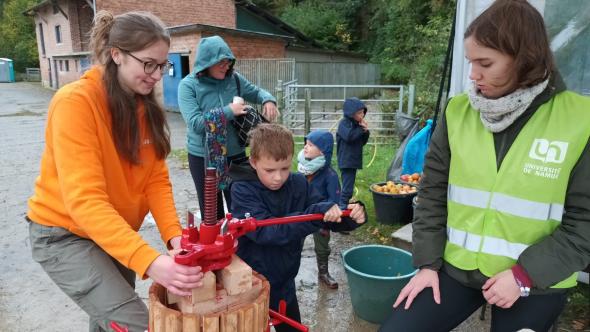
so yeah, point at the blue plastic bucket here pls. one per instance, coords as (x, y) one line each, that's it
(376, 274)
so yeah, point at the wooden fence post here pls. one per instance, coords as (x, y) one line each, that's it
(307, 120)
(280, 100)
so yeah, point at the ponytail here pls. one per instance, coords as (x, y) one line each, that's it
(99, 37)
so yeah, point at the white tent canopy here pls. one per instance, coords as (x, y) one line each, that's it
(568, 26)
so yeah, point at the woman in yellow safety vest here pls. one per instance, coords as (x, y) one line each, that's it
(505, 199)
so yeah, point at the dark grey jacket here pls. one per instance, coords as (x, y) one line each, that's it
(553, 259)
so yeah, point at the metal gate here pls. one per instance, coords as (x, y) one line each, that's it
(265, 73)
(307, 107)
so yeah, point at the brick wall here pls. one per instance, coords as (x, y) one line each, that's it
(67, 73)
(81, 15)
(243, 47)
(186, 43)
(247, 47)
(49, 21)
(74, 32)
(220, 13)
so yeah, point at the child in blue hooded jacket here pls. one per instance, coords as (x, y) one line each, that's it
(314, 161)
(266, 188)
(352, 135)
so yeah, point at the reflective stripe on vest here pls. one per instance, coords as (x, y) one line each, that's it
(486, 244)
(505, 203)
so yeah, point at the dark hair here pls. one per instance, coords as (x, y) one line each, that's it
(132, 31)
(271, 140)
(516, 28)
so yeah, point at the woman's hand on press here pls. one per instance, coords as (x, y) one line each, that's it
(238, 109)
(357, 213)
(177, 278)
(424, 278)
(270, 111)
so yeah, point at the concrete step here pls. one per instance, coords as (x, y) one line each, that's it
(402, 238)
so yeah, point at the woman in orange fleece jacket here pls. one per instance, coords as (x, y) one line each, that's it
(102, 170)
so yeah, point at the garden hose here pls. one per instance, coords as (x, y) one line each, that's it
(374, 154)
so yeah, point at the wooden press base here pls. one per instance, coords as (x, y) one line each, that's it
(246, 312)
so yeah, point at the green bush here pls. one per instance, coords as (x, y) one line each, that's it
(18, 41)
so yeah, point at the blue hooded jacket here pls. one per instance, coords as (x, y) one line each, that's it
(198, 94)
(275, 251)
(350, 136)
(325, 180)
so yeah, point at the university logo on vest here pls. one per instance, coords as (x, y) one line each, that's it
(548, 152)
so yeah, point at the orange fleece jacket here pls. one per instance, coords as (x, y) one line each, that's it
(87, 188)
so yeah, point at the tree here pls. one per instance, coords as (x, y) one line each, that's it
(319, 20)
(18, 40)
(409, 38)
(275, 7)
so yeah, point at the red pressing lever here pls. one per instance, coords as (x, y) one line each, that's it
(294, 219)
(213, 245)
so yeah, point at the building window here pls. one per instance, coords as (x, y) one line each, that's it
(67, 62)
(58, 34)
(76, 64)
(61, 65)
(42, 39)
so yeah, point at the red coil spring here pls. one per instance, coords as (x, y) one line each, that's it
(210, 198)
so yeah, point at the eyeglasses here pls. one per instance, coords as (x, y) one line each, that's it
(150, 67)
(223, 64)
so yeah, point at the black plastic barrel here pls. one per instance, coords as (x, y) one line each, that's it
(392, 208)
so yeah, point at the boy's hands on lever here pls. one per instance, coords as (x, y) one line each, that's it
(334, 214)
(357, 213)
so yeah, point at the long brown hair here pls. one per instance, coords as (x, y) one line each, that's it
(516, 28)
(132, 31)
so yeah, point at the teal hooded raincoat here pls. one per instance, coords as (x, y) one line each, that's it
(198, 94)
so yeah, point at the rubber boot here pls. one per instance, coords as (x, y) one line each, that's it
(325, 277)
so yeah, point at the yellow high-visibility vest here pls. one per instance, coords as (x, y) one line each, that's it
(495, 214)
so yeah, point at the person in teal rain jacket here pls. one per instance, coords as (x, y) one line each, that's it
(208, 92)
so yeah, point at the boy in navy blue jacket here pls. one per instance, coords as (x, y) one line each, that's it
(352, 135)
(314, 161)
(266, 188)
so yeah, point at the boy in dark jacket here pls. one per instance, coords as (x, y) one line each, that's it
(266, 188)
(314, 161)
(352, 135)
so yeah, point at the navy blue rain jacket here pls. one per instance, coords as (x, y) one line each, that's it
(350, 136)
(275, 251)
(325, 180)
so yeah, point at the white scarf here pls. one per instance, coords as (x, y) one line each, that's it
(497, 114)
(309, 166)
